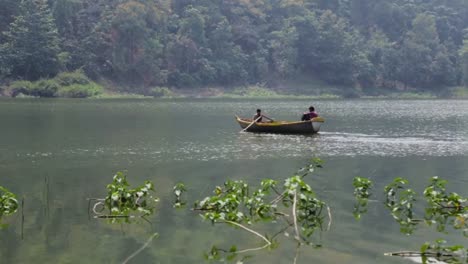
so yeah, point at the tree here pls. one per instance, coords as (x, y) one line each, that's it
(283, 49)
(8, 9)
(464, 62)
(425, 60)
(32, 43)
(335, 54)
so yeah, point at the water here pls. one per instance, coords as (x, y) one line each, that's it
(56, 153)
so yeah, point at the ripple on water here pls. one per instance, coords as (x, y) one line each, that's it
(242, 146)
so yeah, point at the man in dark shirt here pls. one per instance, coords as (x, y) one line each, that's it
(259, 116)
(309, 115)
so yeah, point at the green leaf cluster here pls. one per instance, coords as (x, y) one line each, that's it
(400, 201)
(8, 203)
(294, 201)
(362, 187)
(445, 207)
(124, 201)
(439, 250)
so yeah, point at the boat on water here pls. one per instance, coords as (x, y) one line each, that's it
(282, 127)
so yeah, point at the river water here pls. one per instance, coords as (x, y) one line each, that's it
(54, 154)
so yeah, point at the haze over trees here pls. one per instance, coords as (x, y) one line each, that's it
(388, 44)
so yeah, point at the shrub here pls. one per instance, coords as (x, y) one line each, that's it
(20, 87)
(44, 88)
(69, 78)
(161, 92)
(80, 91)
(255, 91)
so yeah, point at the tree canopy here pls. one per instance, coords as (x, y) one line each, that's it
(391, 44)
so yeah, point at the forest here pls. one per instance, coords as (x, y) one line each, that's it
(137, 45)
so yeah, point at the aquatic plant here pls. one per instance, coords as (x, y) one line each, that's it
(178, 190)
(123, 203)
(442, 209)
(239, 205)
(445, 207)
(362, 187)
(8, 204)
(400, 202)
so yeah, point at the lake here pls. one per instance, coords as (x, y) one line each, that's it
(56, 153)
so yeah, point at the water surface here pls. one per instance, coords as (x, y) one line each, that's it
(56, 153)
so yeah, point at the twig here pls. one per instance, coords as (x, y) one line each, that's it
(46, 196)
(140, 249)
(297, 253)
(418, 254)
(114, 216)
(22, 218)
(329, 218)
(277, 199)
(248, 229)
(252, 249)
(282, 230)
(296, 229)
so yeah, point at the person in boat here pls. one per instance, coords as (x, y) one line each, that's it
(259, 116)
(309, 115)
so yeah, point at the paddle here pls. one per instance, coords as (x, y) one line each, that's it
(253, 122)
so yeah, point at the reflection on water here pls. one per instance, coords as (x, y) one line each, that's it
(79, 144)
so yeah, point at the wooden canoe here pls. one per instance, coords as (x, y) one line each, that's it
(282, 127)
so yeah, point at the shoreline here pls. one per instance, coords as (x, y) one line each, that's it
(260, 93)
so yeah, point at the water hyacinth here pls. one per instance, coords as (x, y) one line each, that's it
(124, 202)
(8, 204)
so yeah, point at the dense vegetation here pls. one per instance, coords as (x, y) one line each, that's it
(143, 44)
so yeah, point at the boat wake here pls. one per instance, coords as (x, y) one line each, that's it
(242, 146)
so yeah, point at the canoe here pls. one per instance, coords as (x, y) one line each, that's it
(282, 127)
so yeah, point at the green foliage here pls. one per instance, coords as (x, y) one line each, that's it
(31, 47)
(400, 202)
(443, 206)
(66, 84)
(124, 203)
(70, 78)
(254, 91)
(162, 92)
(362, 187)
(463, 52)
(8, 204)
(20, 87)
(80, 91)
(238, 204)
(179, 189)
(365, 44)
(448, 254)
(44, 88)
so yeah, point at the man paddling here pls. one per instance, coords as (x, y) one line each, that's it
(259, 116)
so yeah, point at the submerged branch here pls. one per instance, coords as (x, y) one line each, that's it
(248, 230)
(268, 243)
(418, 254)
(140, 249)
(114, 216)
(297, 253)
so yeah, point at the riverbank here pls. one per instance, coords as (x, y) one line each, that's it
(77, 85)
(260, 92)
